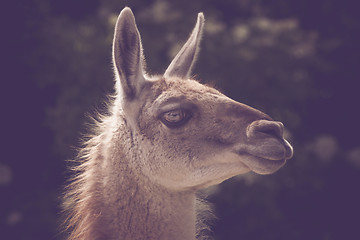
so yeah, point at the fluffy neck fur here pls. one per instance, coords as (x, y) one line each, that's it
(111, 199)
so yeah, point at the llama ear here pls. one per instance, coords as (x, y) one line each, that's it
(127, 55)
(183, 62)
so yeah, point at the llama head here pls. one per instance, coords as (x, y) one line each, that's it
(189, 135)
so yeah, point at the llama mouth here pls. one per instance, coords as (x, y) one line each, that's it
(273, 149)
(267, 157)
(262, 165)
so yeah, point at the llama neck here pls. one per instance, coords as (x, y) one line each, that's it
(131, 205)
(138, 216)
(134, 208)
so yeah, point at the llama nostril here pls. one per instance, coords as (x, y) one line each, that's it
(272, 128)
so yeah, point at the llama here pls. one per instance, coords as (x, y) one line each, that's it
(165, 137)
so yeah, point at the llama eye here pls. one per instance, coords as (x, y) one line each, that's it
(175, 118)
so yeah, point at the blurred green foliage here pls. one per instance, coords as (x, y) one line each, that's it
(296, 60)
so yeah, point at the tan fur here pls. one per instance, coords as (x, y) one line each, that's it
(138, 174)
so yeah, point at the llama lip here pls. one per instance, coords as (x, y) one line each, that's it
(274, 149)
(267, 157)
(271, 149)
(289, 150)
(262, 165)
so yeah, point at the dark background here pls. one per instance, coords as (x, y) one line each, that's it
(296, 60)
